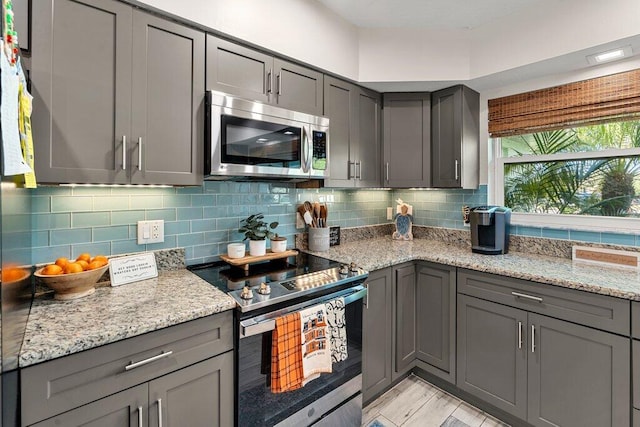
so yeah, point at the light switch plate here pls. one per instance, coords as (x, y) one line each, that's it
(150, 232)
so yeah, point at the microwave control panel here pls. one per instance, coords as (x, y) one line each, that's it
(319, 161)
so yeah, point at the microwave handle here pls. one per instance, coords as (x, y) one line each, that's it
(307, 149)
(267, 322)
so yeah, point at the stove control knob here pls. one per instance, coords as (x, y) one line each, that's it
(344, 270)
(264, 289)
(246, 293)
(353, 267)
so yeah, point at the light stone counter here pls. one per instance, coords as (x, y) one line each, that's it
(59, 328)
(377, 253)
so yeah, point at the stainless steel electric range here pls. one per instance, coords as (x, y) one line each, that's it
(276, 288)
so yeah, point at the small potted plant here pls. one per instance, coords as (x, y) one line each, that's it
(256, 230)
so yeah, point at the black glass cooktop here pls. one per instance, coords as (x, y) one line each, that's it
(287, 279)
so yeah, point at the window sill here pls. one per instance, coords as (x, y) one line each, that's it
(577, 222)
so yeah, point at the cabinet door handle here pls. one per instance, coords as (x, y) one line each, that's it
(279, 83)
(124, 152)
(525, 296)
(139, 153)
(387, 171)
(457, 173)
(533, 338)
(147, 361)
(139, 416)
(519, 335)
(159, 412)
(359, 170)
(349, 165)
(269, 81)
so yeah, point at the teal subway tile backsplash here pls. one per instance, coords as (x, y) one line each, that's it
(67, 221)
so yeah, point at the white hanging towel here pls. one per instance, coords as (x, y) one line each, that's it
(316, 351)
(337, 329)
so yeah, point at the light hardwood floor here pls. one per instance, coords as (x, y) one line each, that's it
(415, 402)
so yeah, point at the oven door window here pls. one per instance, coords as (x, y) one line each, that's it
(258, 406)
(260, 143)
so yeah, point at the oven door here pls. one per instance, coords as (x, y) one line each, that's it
(326, 396)
(249, 144)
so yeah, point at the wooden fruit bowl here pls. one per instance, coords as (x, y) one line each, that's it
(72, 285)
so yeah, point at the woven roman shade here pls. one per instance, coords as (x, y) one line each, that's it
(593, 101)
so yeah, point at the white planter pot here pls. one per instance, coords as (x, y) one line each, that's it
(278, 245)
(257, 247)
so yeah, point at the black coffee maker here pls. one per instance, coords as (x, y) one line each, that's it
(490, 229)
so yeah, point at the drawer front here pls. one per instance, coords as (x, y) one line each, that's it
(598, 311)
(635, 319)
(63, 384)
(636, 418)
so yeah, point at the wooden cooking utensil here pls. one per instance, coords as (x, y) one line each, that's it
(316, 213)
(306, 217)
(309, 208)
(323, 215)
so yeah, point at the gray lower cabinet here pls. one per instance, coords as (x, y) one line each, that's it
(404, 316)
(177, 373)
(129, 108)
(455, 135)
(248, 73)
(636, 418)
(407, 139)
(547, 371)
(492, 356)
(436, 319)
(196, 393)
(354, 155)
(376, 340)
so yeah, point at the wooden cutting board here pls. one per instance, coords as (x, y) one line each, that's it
(244, 262)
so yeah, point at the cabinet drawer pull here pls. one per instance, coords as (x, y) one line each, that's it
(531, 297)
(139, 153)
(124, 152)
(533, 338)
(457, 173)
(519, 335)
(159, 412)
(139, 416)
(149, 360)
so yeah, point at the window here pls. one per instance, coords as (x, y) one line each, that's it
(566, 160)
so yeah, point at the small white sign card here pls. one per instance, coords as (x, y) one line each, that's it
(132, 268)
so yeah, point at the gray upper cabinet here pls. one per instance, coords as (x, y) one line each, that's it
(436, 319)
(168, 102)
(376, 339)
(455, 116)
(119, 94)
(354, 115)
(250, 74)
(404, 309)
(407, 140)
(21, 22)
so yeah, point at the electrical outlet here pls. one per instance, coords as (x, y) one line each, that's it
(150, 232)
(389, 213)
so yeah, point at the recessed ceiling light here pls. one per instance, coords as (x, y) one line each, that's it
(262, 140)
(609, 55)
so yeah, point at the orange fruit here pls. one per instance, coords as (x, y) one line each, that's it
(73, 267)
(62, 261)
(52, 270)
(83, 263)
(94, 265)
(84, 257)
(12, 274)
(101, 258)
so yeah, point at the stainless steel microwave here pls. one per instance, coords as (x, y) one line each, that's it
(249, 139)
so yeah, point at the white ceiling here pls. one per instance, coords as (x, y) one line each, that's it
(431, 14)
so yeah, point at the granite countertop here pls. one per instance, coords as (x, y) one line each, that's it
(59, 328)
(374, 254)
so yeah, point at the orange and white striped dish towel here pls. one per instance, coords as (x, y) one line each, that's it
(286, 357)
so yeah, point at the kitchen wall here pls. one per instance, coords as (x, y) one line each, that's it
(69, 220)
